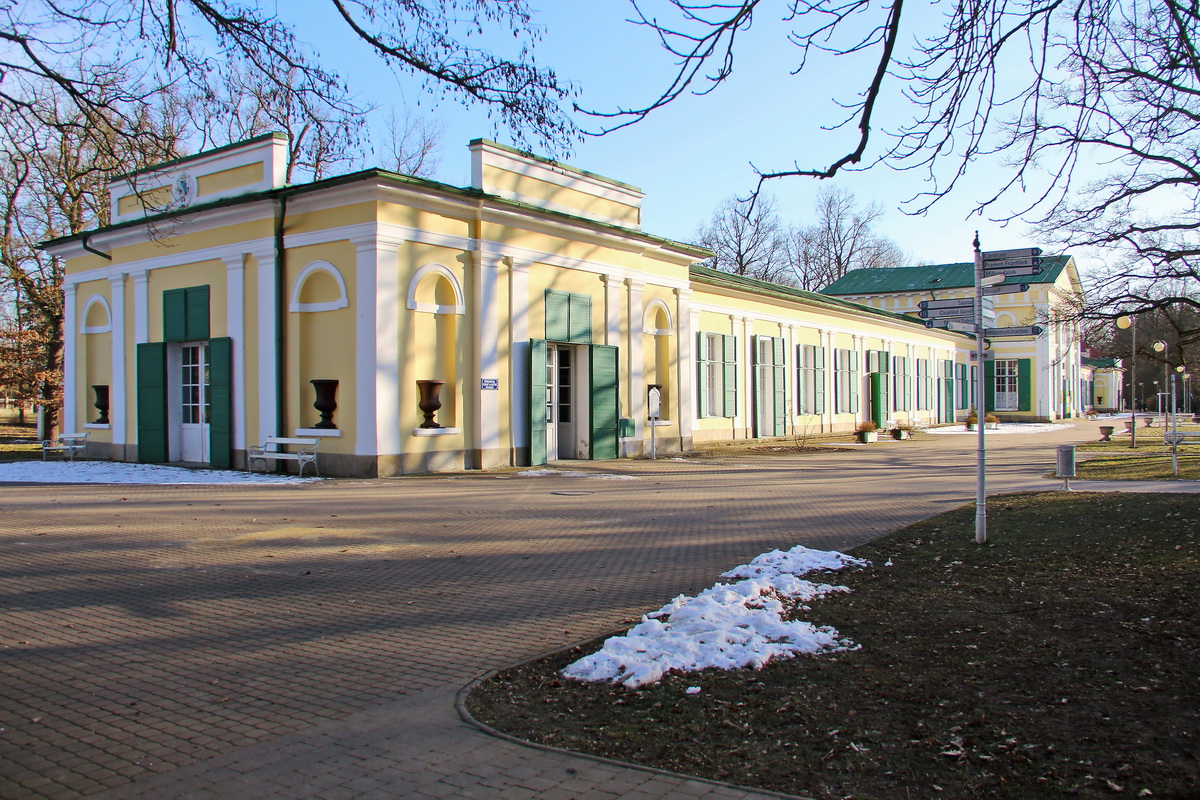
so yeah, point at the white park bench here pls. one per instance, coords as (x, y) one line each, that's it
(282, 448)
(66, 445)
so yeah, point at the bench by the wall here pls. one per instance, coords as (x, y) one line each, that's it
(281, 448)
(66, 445)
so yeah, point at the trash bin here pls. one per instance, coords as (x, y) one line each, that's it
(1066, 464)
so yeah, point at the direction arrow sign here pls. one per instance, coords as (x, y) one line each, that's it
(1020, 252)
(951, 325)
(1005, 288)
(957, 302)
(933, 313)
(1011, 271)
(1028, 330)
(987, 356)
(991, 266)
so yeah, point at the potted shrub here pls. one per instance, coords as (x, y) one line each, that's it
(867, 431)
(972, 420)
(902, 431)
(992, 421)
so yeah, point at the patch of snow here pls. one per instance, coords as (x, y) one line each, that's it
(1005, 427)
(729, 626)
(122, 472)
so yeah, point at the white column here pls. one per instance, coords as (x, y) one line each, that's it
(636, 389)
(377, 348)
(235, 316)
(141, 306)
(746, 376)
(268, 391)
(828, 341)
(518, 322)
(68, 422)
(612, 310)
(686, 372)
(791, 373)
(486, 428)
(118, 413)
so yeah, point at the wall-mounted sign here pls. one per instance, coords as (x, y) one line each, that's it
(489, 384)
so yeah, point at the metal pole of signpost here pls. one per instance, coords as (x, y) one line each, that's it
(1174, 433)
(981, 400)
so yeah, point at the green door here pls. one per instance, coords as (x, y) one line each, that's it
(152, 402)
(220, 399)
(605, 401)
(537, 402)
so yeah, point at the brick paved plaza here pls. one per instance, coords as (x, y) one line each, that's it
(309, 640)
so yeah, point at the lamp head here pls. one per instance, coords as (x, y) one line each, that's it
(1160, 346)
(1124, 322)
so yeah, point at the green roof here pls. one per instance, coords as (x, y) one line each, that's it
(766, 289)
(1099, 363)
(924, 279)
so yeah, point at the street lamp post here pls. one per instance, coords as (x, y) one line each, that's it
(1131, 323)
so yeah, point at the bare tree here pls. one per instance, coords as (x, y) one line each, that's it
(1091, 105)
(840, 240)
(409, 144)
(55, 165)
(79, 46)
(747, 238)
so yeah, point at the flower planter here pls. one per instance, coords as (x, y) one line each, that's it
(899, 434)
(866, 437)
(992, 426)
(1106, 432)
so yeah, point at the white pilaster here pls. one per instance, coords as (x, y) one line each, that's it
(68, 423)
(141, 306)
(636, 389)
(117, 413)
(377, 350)
(268, 391)
(686, 363)
(612, 310)
(791, 373)
(235, 315)
(486, 430)
(518, 316)
(828, 341)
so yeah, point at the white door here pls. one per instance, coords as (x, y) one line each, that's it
(194, 407)
(560, 407)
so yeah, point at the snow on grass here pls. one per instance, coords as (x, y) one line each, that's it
(729, 626)
(121, 472)
(1005, 427)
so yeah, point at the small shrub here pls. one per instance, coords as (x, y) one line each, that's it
(866, 426)
(991, 418)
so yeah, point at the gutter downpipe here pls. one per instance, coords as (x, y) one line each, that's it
(280, 320)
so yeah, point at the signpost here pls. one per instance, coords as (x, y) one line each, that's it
(1026, 330)
(1013, 271)
(1005, 288)
(952, 325)
(957, 302)
(654, 404)
(938, 313)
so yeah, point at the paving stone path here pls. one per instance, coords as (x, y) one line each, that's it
(309, 641)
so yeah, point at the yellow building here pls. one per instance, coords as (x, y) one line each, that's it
(220, 304)
(1027, 377)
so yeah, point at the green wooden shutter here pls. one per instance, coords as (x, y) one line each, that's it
(818, 380)
(537, 402)
(220, 398)
(1024, 384)
(989, 387)
(729, 374)
(780, 387)
(197, 300)
(702, 367)
(854, 388)
(152, 402)
(579, 318)
(877, 405)
(606, 398)
(175, 315)
(962, 386)
(558, 313)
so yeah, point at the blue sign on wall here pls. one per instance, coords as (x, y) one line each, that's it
(489, 384)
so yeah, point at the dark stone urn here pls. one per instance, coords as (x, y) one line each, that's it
(326, 390)
(430, 401)
(101, 391)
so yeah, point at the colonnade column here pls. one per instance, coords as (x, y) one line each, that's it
(235, 315)
(485, 430)
(518, 320)
(67, 423)
(377, 348)
(119, 414)
(685, 372)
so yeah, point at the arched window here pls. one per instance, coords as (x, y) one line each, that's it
(435, 289)
(96, 317)
(436, 295)
(658, 327)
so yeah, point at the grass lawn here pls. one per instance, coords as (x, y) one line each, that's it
(1061, 659)
(18, 441)
(1150, 461)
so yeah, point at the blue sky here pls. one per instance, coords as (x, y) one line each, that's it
(690, 155)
